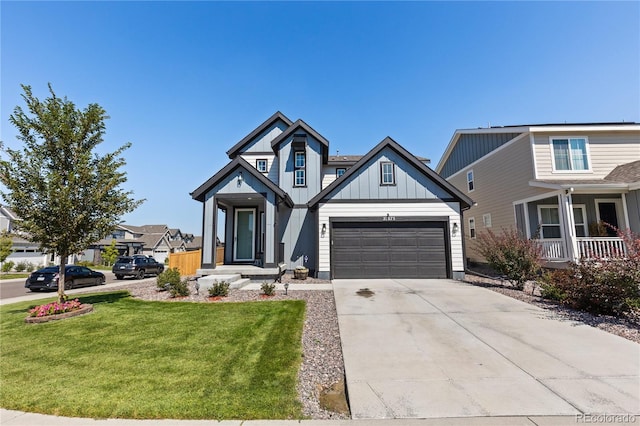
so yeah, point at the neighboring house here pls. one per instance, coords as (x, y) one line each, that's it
(23, 251)
(287, 203)
(554, 182)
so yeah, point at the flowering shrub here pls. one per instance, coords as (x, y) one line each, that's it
(268, 289)
(511, 254)
(55, 308)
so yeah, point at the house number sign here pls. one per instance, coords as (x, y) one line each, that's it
(388, 218)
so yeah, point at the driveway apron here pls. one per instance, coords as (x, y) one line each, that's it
(443, 348)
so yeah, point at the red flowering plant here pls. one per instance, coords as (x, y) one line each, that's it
(55, 308)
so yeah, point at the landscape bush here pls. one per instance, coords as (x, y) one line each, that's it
(511, 254)
(219, 289)
(181, 288)
(168, 278)
(30, 267)
(7, 266)
(599, 285)
(268, 289)
(21, 266)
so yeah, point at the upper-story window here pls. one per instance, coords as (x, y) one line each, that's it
(570, 154)
(261, 165)
(470, 181)
(340, 171)
(300, 164)
(387, 173)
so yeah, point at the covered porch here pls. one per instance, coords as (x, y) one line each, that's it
(573, 224)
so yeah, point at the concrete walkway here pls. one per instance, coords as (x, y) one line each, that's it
(445, 349)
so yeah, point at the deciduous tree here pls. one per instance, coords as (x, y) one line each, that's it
(66, 194)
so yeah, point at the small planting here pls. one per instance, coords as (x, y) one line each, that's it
(268, 289)
(511, 254)
(21, 267)
(55, 308)
(170, 280)
(180, 289)
(219, 289)
(7, 266)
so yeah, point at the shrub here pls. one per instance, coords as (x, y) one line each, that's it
(268, 289)
(548, 287)
(599, 287)
(21, 266)
(511, 254)
(168, 278)
(86, 263)
(219, 289)
(7, 266)
(30, 267)
(181, 288)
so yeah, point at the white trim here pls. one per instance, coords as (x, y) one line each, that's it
(585, 225)
(487, 155)
(526, 219)
(235, 235)
(472, 181)
(475, 229)
(583, 186)
(486, 220)
(538, 197)
(532, 142)
(554, 170)
(625, 211)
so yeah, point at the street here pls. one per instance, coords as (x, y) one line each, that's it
(15, 287)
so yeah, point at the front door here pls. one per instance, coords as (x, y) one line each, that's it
(609, 211)
(243, 235)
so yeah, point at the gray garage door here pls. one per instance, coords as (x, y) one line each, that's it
(389, 250)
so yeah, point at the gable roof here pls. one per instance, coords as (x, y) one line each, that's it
(299, 124)
(390, 143)
(278, 116)
(237, 162)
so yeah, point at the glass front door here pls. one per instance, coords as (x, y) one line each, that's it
(244, 239)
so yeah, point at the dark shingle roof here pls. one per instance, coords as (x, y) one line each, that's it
(626, 173)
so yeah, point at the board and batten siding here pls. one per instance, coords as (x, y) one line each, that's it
(410, 183)
(262, 142)
(606, 152)
(499, 179)
(417, 209)
(313, 166)
(229, 185)
(272, 164)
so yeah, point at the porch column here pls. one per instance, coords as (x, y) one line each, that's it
(209, 233)
(566, 211)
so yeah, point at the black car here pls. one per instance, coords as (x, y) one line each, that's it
(74, 276)
(137, 266)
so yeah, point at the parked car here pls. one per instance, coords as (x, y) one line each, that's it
(137, 266)
(74, 276)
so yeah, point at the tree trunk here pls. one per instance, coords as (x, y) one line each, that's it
(61, 277)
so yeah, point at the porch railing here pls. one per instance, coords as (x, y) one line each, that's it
(588, 248)
(553, 249)
(601, 247)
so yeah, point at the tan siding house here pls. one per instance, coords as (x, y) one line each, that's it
(555, 183)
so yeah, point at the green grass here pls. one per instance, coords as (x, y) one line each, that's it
(13, 275)
(151, 360)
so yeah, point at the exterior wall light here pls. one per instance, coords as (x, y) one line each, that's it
(240, 179)
(324, 229)
(455, 229)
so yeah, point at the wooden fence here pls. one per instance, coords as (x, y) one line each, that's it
(187, 262)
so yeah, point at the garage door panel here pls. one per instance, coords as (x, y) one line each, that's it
(389, 250)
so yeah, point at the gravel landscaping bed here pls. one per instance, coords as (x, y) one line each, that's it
(322, 364)
(627, 326)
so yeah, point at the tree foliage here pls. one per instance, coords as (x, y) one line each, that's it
(6, 244)
(110, 253)
(67, 195)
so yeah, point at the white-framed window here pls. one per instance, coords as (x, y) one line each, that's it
(570, 154)
(340, 171)
(299, 165)
(470, 181)
(549, 220)
(387, 173)
(580, 219)
(261, 165)
(486, 220)
(472, 228)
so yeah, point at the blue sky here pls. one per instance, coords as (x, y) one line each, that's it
(184, 81)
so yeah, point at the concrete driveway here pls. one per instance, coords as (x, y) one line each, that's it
(442, 348)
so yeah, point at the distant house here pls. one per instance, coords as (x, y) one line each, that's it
(23, 250)
(554, 182)
(288, 203)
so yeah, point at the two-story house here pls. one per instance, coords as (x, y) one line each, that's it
(286, 202)
(559, 183)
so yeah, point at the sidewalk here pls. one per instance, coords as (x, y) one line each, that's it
(17, 418)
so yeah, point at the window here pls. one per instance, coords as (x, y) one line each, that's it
(387, 173)
(486, 220)
(340, 171)
(261, 165)
(549, 219)
(470, 181)
(299, 163)
(580, 219)
(570, 154)
(472, 228)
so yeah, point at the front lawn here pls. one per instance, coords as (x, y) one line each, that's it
(151, 360)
